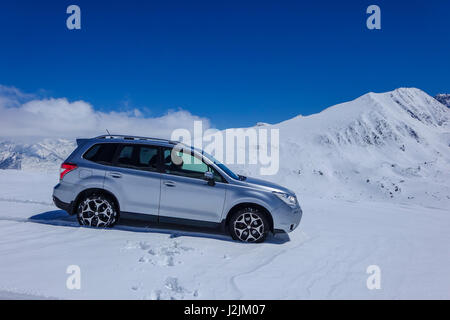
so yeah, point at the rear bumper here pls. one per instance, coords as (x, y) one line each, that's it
(63, 205)
(64, 196)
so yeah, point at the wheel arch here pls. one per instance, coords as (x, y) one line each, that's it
(91, 191)
(243, 205)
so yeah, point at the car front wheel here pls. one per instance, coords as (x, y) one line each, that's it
(248, 225)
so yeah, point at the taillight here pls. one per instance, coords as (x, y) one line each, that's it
(66, 168)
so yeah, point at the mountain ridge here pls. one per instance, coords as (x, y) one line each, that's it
(443, 98)
(47, 154)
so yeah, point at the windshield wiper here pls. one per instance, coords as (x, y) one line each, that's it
(242, 178)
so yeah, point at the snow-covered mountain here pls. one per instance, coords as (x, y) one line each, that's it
(392, 145)
(45, 155)
(443, 98)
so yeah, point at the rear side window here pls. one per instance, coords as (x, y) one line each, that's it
(126, 156)
(102, 153)
(139, 157)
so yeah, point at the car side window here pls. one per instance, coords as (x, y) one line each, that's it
(101, 153)
(187, 165)
(125, 156)
(149, 157)
(138, 157)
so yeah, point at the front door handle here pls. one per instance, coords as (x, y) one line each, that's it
(115, 175)
(169, 183)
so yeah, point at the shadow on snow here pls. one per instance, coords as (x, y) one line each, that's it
(61, 218)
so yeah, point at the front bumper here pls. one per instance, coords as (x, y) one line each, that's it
(286, 219)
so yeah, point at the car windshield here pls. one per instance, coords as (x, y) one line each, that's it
(223, 167)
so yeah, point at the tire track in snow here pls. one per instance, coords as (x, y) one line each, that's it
(316, 271)
(27, 201)
(354, 257)
(268, 261)
(54, 222)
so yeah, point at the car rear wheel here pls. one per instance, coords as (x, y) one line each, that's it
(248, 225)
(97, 211)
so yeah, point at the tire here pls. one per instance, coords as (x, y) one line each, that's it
(249, 225)
(97, 210)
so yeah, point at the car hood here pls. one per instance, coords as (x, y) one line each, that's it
(267, 185)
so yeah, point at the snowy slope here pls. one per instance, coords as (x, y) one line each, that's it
(392, 145)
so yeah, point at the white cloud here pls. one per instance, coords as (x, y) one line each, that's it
(12, 97)
(24, 116)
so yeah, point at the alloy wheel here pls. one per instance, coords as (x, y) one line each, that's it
(249, 227)
(96, 212)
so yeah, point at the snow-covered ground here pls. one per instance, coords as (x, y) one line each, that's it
(325, 258)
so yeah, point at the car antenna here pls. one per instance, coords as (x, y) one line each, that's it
(108, 132)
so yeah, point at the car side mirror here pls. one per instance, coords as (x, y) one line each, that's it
(209, 176)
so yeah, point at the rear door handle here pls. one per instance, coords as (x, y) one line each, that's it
(169, 183)
(115, 175)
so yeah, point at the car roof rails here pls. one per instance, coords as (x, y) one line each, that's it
(130, 137)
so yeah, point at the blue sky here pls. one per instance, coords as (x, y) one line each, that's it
(234, 62)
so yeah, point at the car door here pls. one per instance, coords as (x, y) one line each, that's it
(184, 192)
(134, 177)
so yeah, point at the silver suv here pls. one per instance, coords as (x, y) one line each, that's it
(108, 177)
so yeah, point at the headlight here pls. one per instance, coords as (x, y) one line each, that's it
(290, 200)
